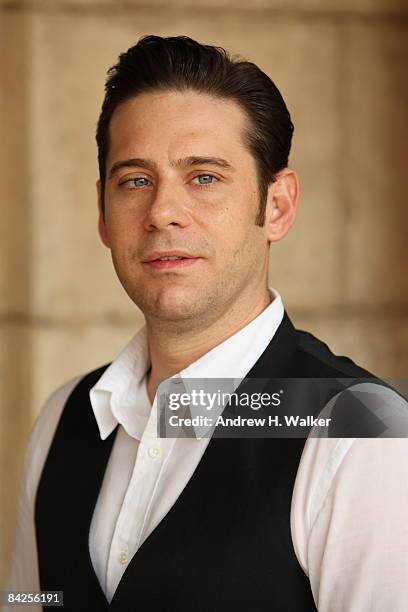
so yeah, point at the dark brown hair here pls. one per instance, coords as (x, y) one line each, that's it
(178, 63)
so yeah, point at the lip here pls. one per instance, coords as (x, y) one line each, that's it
(153, 260)
(157, 254)
(171, 265)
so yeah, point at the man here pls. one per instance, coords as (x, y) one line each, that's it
(194, 187)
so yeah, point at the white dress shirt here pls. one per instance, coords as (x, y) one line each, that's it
(349, 505)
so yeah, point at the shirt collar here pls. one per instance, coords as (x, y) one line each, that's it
(120, 395)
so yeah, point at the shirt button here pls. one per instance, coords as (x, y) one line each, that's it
(123, 558)
(154, 452)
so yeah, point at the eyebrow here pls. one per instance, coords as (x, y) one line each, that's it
(192, 160)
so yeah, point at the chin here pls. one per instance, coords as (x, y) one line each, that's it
(170, 304)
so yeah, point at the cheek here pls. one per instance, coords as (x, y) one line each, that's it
(233, 245)
(121, 225)
(231, 211)
(233, 233)
(123, 245)
(237, 223)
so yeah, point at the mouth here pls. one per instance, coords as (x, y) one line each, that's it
(170, 261)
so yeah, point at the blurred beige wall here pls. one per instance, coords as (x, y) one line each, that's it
(342, 70)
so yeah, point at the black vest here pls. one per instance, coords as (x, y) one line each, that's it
(226, 543)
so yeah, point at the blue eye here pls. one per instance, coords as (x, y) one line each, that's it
(138, 182)
(206, 179)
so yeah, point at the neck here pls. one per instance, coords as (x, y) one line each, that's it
(173, 349)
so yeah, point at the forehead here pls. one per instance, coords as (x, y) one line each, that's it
(178, 124)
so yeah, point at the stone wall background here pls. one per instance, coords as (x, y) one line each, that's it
(342, 68)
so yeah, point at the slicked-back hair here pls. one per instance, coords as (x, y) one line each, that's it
(179, 63)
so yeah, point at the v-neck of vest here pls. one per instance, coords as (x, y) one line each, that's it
(272, 363)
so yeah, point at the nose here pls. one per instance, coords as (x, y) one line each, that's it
(168, 207)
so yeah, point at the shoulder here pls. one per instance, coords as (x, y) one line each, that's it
(42, 434)
(313, 357)
(360, 403)
(345, 480)
(334, 471)
(44, 428)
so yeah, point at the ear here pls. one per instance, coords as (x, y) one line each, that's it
(103, 231)
(282, 202)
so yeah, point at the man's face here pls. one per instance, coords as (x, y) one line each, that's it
(180, 179)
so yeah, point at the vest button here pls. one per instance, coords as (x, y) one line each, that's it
(123, 558)
(154, 452)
